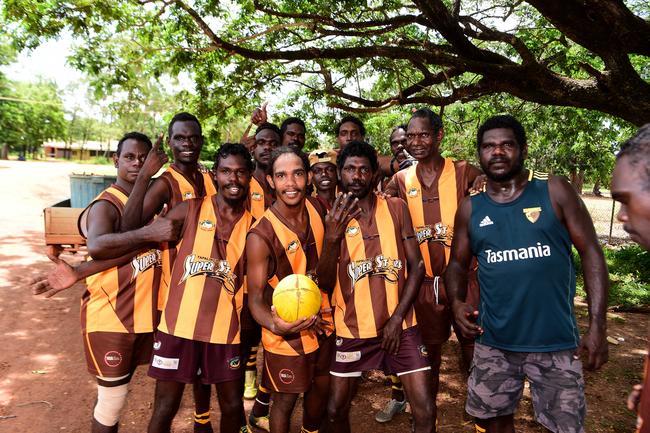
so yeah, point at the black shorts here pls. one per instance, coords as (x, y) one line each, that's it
(356, 355)
(187, 361)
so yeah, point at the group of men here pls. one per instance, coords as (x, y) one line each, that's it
(183, 270)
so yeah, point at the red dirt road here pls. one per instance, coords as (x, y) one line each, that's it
(44, 385)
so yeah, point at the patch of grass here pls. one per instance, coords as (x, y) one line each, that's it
(629, 276)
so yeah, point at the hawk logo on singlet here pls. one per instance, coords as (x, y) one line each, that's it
(532, 213)
(188, 195)
(220, 269)
(380, 265)
(292, 247)
(352, 231)
(439, 232)
(515, 254)
(256, 196)
(144, 261)
(207, 225)
(413, 192)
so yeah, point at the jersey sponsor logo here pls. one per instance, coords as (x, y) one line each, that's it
(207, 225)
(348, 356)
(352, 231)
(220, 269)
(188, 195)
(293, 246)
(413, 192)
(113, 358)
(380, 265)
(164, 363)
(515, 254)
(286, 376)
(532, 213)
(485, 222)
(144, 261)
(256, 196)
(439, 232)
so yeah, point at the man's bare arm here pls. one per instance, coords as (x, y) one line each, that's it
(574, 215)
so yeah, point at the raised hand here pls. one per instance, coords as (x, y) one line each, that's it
(248, 142)
(259, 115)
(345, 209)
(155, 159)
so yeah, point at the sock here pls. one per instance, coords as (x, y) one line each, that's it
(251, 362)
(202, 418)
(262, 402)
(397, 390)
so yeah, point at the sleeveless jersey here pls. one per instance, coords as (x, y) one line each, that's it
(121, 299)
(259, 199)
(526, 272)
(291, 254)
(208, 274)
(433, 210)
(371, 273)
(180, 189)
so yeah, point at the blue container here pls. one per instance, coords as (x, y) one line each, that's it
(85, 187)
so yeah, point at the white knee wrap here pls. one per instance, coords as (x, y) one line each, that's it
(110, 401)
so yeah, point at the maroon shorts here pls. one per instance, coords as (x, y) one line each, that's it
(116, 354)
(187, 361)
(434, 316)
(295, 374)
(356, 355)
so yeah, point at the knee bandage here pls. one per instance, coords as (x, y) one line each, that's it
(110, 400)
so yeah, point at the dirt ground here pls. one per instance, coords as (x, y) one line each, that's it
(44, 386)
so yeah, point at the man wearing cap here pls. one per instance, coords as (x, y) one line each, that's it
(322, 164)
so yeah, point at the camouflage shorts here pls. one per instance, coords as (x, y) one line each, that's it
(496, 383)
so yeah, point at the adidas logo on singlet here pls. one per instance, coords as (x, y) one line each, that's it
(531, 252)
(485, 222)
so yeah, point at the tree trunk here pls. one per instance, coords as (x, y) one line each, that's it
(578, 180)
(596, 189)
(4, 154)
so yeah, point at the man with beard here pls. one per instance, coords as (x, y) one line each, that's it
(293, 132)
(323, 169)
(288, 239)
(199, 329)
(374, 268)
(631, 187)
(183, 180)
(118, 308)
(521, 229)
(432, 190)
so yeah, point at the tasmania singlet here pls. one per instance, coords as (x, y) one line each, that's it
(180, 189)
(526, 272)
(371, 273)
(206, 292)
(292, 254)
(121, 299)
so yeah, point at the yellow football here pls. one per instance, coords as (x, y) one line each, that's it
(295, 297)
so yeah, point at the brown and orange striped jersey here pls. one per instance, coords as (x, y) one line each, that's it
(208, 275)
(372, 272)
(180, 189)
(260, 197)
(291, 253)
(433, 209)
(121, 299)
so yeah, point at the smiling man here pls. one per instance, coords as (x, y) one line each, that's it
(199, 333)
(323, 169)
(521, 229)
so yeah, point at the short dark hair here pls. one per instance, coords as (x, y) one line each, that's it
(233, 149)
(183, 116)
(353, 119)
(361, 149)
(637, 150)
(267, 125)
(426, 113)
(133, 135)
(397, 128)
(283, 150)
(290, 121)
(505, 121)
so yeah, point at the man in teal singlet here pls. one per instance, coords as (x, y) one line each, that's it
(521, 229)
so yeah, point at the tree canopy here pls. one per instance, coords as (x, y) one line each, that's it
(363, 56)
